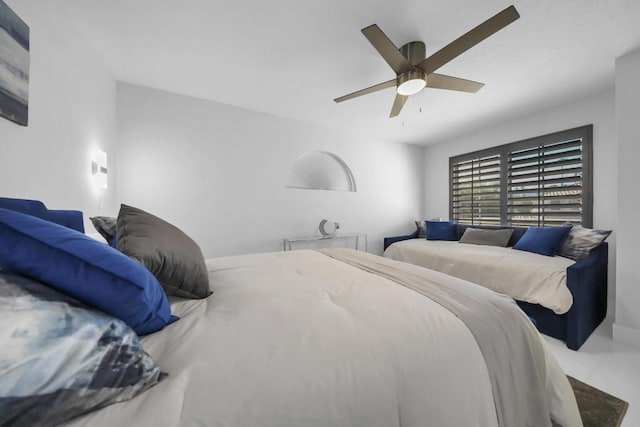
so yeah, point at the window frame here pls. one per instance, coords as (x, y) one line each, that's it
(585, 133)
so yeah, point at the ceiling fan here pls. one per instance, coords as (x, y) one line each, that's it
(414, 72)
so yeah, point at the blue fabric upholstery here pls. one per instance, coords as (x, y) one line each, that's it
(69, 218)
(388, 241)
(84, 268)
(587, 282)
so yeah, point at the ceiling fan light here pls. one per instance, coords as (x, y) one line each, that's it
(411, 82)
(411, 87)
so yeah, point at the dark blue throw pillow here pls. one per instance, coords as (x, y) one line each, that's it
(543, 240)
(83, 268)
(442, 230)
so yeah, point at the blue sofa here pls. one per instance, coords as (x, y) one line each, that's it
(69, 218)
(586, 280)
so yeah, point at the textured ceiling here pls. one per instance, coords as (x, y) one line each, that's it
(292, 57)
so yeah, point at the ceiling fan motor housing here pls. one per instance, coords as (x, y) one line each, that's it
(414, 80)
(415, 52)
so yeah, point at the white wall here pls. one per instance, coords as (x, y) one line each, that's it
(598, 109)
(219, 172)
(71, 114)
(627, 325)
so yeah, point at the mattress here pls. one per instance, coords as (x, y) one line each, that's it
(303, 339)
(524, 276)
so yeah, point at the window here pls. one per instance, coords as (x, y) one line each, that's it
(540, 181)
(475, 190)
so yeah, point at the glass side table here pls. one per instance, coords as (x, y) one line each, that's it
(358, 239)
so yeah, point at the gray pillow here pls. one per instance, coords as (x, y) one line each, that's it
(106, 226)
(580, 241)
(422, 229)
(478, 236)
(169, 254)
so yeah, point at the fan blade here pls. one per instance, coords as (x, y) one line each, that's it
(440, 81)
(398, 103)
(387, 49)
(470, 39)
(375, 88)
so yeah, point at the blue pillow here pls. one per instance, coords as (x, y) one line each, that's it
(60, 358)
(84, 268)
(543, 240)
(442, 230)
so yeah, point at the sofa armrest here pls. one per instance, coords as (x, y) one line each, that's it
(69, 218)
(587, 281)
(388, 241)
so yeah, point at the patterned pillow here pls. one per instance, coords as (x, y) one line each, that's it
(581, 241)
(106, 226)
(422, 229)
(60, 358)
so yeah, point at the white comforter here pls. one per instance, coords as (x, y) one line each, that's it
(522, 275)
(300, 339)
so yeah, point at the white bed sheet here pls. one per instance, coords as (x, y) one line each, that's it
(524, 276)
(300, 339)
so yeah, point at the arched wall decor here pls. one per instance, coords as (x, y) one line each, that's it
(321, 170)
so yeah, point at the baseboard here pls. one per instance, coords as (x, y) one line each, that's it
(627, 335)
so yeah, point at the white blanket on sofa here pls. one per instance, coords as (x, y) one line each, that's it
(522, 275)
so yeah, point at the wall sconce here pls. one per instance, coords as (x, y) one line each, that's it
(99, 169)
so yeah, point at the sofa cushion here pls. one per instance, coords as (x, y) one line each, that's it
(522, 275)
(479, 236)
(442, 230)
(543, 240)
(581, 241)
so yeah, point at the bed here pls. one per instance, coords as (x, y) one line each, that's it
(303, 338)
(570, 309)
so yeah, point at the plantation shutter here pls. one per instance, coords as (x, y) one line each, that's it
(475, 191)
(545, 184)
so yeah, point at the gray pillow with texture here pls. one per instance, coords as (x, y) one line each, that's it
(478, 236)
(422, 229)
(169, 254)
(580, 241)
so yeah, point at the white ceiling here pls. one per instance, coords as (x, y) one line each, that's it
(292, 57)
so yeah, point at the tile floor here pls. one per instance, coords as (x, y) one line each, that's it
(609, 365)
